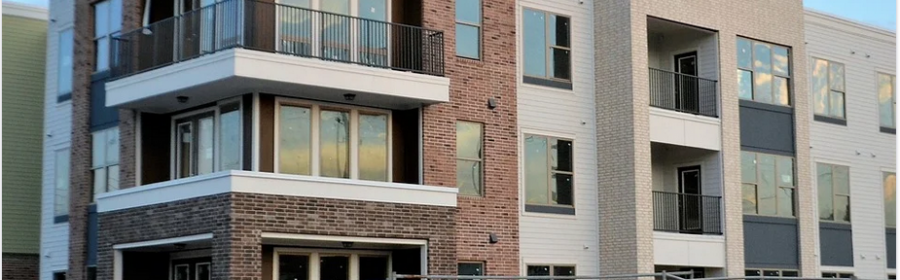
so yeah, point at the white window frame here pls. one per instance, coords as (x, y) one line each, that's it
(315, 109)
(552, 266)
(110, 29)
(315, 254)
(893, 98)
(217, 129)
(105, 166)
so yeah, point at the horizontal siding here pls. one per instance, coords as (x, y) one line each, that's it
(859, 145)
(23, 92)
(564, 239)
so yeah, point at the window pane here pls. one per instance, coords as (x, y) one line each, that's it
(825, 184)
(112, 175)
(789, 273)
(99, 181)
(61, 190)
(766, 192)
(751, 273)
(771, 273)
(373, 268)
(294, 140)
(842, 208)
(559, 35)
(468, 177)
(112, 145)
(101, 19)
(780, 61)
(745, 84)
(762, 87)
(820, 87)
(785, 171)
(561, 155)
(334, 268)
(468, 140)
(98, 148)
(841, 180)
(837, 104)
(64, 82)
(372, 9)
(468, 11)
(536, 170)
(563, 271)
(293, 267)
(334, 144)
(562, 189)
(467, 41)
(886, 100)
(535, 43)
(748, 167)
(743, 52)
(230, 137)
(749, 198)
(890, 199)
(102, 54)
(560, 60)
(762, 58)
(786, 202)
(185, 149)
(782, 95)
(538, 270)
(115, 16)
(836, 76)
(205, 146)
(373, 147)
(470, 269)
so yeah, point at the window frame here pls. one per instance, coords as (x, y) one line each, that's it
(827, 117)
(887, 129)
(478, 26)
(177, 120)
(762, 271)
(61, 215)
(314, 257)
(789, 78)
(778, 186)
(105, 166)
(479, 263)
(353, 137)
(838, 274)
(548, 47)
(481, 161)
(546, 208)
(552, 267)
(62, 96)
(884, 176)
(834, 193)
(111, 30)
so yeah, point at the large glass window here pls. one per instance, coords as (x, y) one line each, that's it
(768, 184)
(64, 69)
(887, 98)
(318, 141)
(470, 268)
(547, 45)
(548, 171)
(763, 72)
(469, 158)
(107, 21)
(828, 89)
(61, 185)
(208, 141)
(834, 192)
(468, 28)
(105, 160)
(890, 199)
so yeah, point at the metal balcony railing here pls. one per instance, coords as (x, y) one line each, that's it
(277, 28)
(686, 213)
(683, 93)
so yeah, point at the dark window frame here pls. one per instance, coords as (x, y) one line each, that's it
(778, 186)
(788, 78)
(834, 194)
(827, 117)
(547, 80)
(481, 187)
(549, 207)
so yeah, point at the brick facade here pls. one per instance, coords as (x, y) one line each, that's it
(21, 266)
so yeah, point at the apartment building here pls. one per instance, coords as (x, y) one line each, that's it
(853, 145)
(24, 37)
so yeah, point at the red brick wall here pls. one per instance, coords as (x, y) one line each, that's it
(21, 266)
(472, 82)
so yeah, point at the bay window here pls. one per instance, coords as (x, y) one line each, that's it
(331, 141)
(208, 140)
(768, 184)
(105, 160)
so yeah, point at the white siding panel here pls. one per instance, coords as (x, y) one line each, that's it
(564, 239)
(864, 51)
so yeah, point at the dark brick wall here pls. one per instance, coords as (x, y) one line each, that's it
(237, 221)
(21, 266)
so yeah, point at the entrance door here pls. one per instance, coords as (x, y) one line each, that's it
(689, 200)
(687, 96)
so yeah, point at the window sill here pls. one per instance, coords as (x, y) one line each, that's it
(60, 98)
(547, 209)
(888, 130)
(830, 120)
(61, 219)
(567, 85)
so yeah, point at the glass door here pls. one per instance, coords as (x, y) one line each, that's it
(195, 146)
(295, 27)
(373, 32)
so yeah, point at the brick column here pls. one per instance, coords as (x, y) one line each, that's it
(731, 160)
(132, 17)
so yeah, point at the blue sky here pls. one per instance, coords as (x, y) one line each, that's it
(881, 13)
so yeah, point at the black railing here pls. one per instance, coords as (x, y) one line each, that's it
(683, 93)
(686, 213)
(277, 28)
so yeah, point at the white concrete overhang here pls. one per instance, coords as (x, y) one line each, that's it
(237, 181)
(233, 72)
(688, 249)
(670, 127)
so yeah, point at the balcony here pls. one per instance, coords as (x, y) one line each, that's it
(240, 46)
(686, 213)
(683, 93)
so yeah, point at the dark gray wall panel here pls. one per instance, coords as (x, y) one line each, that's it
(891, 247)
(770, 242)
(92, 236)
(767, 128)
(836, 244)
(102, 117)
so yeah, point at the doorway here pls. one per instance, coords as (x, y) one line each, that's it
(690, 200)
(687, 95)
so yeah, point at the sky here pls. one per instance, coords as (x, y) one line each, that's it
(881, 13)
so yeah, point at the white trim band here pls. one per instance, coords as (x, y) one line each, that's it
(164, 241)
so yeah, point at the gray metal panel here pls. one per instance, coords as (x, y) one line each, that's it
(836, 244)
(891, 247)
(770, 242)
(766, 127)
(92, 236)
(102, 117)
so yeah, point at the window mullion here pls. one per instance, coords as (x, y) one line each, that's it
(314, 138)
(354, 144)
(548, 52)
(549, 173)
